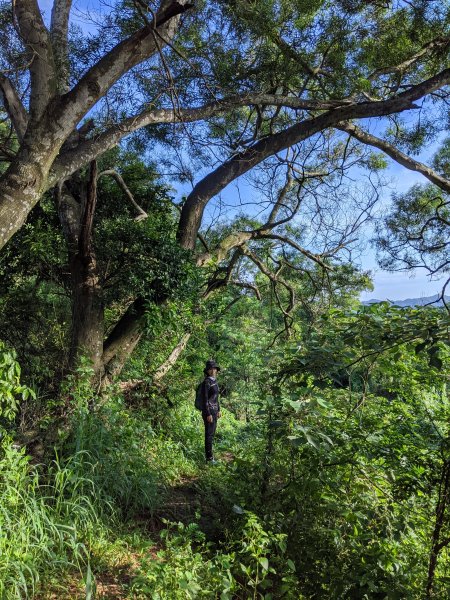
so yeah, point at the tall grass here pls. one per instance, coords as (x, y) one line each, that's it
(111, 458)
(43, 527)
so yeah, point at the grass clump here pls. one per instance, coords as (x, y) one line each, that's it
(44, 526)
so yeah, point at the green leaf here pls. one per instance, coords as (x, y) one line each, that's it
(312, 441)
(264, 563)
(322, 402)
(90, 584)
(296, 440)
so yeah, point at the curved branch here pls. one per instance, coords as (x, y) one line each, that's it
(240, 164)
(115, 175)
(396, 154)
(71, 160)
(247, 286)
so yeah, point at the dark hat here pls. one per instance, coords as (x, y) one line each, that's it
(211, 364)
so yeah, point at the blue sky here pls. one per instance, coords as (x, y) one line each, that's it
(386, 285)
(399, 285)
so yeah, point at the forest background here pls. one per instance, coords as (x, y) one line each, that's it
(334, 447)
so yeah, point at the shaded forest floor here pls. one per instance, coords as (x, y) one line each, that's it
(119, 563)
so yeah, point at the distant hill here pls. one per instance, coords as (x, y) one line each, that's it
(411, 301)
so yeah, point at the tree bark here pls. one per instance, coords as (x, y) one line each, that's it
(59, 29)
(87, 314)
(13, 106)
(123, 338)
(36, 40)
(87, 302)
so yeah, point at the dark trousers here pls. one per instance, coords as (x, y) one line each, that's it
(210, 430)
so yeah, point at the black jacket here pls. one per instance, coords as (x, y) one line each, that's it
(210, 396)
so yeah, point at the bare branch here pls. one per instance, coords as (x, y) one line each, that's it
(247, 286)
(281, 197)
(274, 278)
(314, 257)
(397, 155)
(172, 358)
(71, 160)
(123, 57)
(222, 276)
(115, 175)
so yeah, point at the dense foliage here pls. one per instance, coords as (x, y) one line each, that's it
(125, 265)
(333, 480)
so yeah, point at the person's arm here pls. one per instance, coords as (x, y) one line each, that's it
(205, 397)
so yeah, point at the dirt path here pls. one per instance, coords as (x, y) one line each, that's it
(184, 502)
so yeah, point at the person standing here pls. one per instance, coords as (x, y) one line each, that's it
(210, 407)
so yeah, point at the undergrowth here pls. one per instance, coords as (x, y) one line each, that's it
(110, 470)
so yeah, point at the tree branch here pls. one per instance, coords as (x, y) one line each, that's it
(291, 53)
(247, 286)
(234, 240)
(395, 154)
(428, 48)
(279, 204)
(172, 358)
(123, 57)
(142, 214)
(13, 106)
(59, 29)
(314, 257)
(274, 278)
(239, 164)
(71, 160)
(36, 39)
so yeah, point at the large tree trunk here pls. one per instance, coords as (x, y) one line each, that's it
(77, 217)
(20, 189)
(87, 314)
